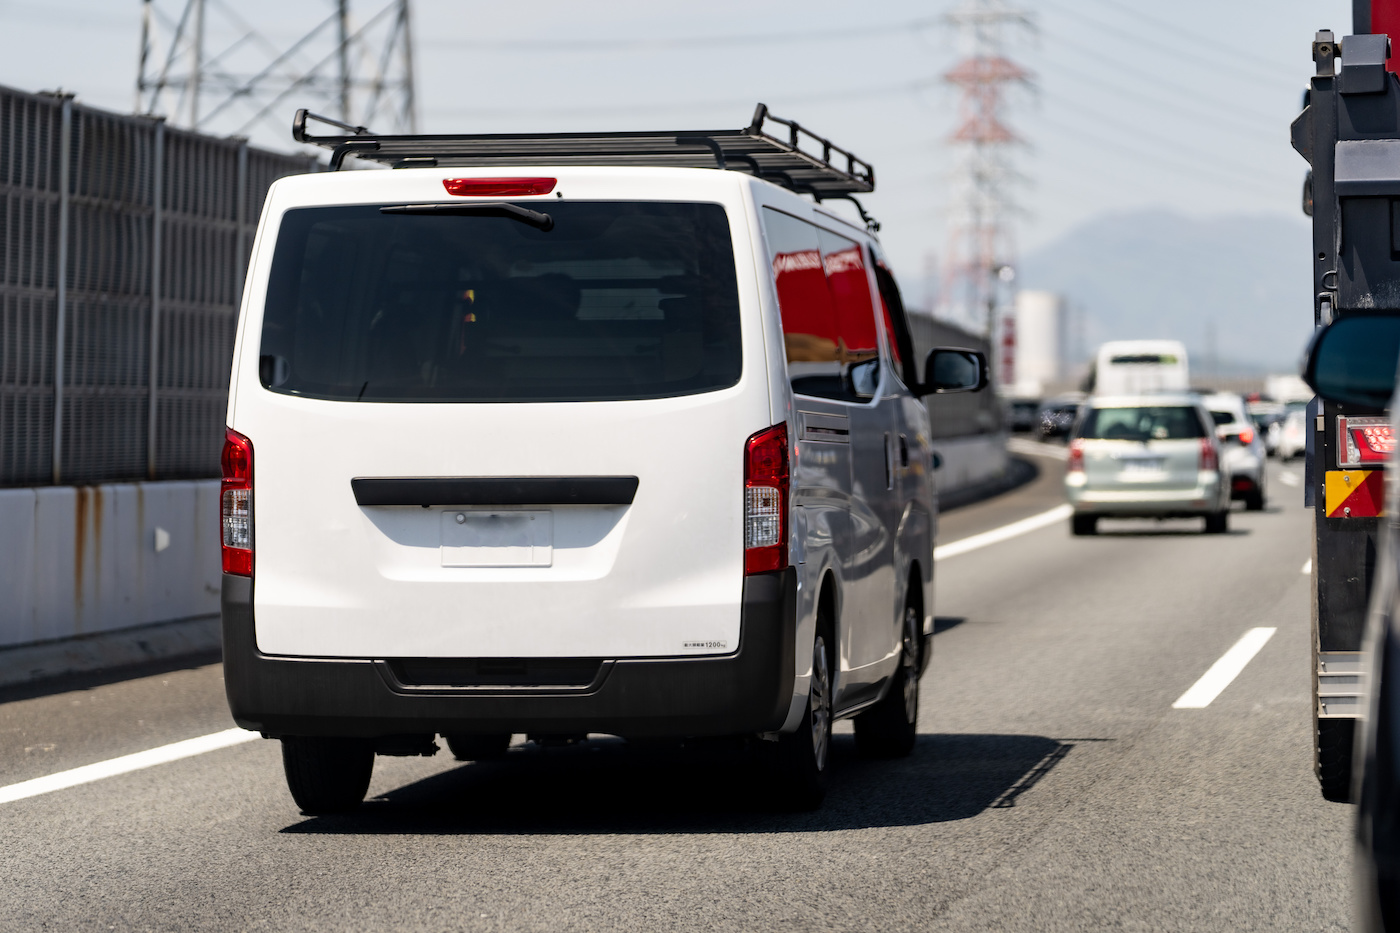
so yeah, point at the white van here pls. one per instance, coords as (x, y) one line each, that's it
(556, 447)
(1141, 367)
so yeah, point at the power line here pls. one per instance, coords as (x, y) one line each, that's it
(1196, 38)
(1230, 123)
(1222, 62)
(905, 87)
(657, 44)
(1190, 169)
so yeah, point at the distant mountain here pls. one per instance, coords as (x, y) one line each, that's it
(1159, 274)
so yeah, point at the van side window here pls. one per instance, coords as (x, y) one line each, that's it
(828, 313)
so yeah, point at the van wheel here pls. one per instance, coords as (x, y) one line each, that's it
(1217, 523)
(478, 747)
(1084, 524)
(1332, 751)
(888, 729)
(800, 759)
(327, 775)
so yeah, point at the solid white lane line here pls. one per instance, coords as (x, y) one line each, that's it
(1021, 445)
(1307, 566)
(1222, 672)
(125, 764)
(1058, 514)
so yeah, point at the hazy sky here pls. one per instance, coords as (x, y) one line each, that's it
(1183, 105)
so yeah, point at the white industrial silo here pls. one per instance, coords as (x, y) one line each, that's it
(1041, 339)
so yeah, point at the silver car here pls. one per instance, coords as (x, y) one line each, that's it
(1146, 457)
(1242, 449)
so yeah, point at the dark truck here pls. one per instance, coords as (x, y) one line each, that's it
(1349, 132)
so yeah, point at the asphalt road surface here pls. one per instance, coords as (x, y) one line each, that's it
(1054, 786)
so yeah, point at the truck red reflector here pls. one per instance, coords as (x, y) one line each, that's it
(498, 187)
(766, 500)
(236, 504)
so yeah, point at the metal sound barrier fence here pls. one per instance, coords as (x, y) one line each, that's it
(123, 245)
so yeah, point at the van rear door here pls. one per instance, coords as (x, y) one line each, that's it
(478, 434)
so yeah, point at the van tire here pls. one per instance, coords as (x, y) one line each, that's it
(1217, 523)
(1084, 524)
(1335, 739)
(801, 758)
(466, 747)
(327, 775)
(888, 729)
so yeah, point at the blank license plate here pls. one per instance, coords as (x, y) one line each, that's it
(497, 539)
(1143, 465)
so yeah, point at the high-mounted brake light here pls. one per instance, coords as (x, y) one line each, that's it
(766, 500)
(236, 500)
(1076, 456)
(498, 187)
(1364, 441)
(1209, 460)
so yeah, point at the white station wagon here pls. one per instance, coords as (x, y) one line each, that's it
(557, 435)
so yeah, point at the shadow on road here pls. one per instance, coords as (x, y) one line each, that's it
(1168, 533)
(611, 787)
(943, 623)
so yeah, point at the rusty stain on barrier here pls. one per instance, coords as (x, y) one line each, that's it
(97, 543)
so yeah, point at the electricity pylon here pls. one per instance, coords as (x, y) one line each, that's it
(980, 258)
(203, 65)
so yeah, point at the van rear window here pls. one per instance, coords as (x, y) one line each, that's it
(1154, 422)
(618, 300)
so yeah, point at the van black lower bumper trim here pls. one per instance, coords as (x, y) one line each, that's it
(745, 692)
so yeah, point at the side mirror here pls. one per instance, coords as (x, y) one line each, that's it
(863, 379)
(953, 370)
(1353, 360)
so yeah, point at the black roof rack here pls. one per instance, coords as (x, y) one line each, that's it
(797, 159)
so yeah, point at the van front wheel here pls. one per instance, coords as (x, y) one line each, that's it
(327, 775)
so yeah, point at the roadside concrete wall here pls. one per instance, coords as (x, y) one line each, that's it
(968, 461)
(81, 560)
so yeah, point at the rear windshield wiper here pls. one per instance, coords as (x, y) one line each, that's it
(536, 219)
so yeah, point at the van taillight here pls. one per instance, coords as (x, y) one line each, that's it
(236, 501)
(1076, 456)
(1208, 459)
(498, 187)
(766, 500)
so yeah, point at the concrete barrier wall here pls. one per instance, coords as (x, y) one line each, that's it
(77, 561)
(968, 461)
(89, 559)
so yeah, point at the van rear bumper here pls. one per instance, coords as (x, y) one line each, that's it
(745, 692)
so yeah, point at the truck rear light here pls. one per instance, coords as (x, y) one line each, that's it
(766, 500)
(1076, 457)
(1209, 459)
(1364, 441)
(236, 504)
(498, 187)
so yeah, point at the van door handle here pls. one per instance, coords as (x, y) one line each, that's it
(889, 466)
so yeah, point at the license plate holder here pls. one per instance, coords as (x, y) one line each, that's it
(497, 538)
